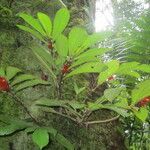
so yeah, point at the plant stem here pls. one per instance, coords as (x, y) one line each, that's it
(101, 121)
(66, 116)
(62, 3)
(17, 99)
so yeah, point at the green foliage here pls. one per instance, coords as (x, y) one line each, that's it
(42, 28)
(40, 137)
(112, 68)
(79, 53)
(142, 114)
(19, 81)
(142, 90)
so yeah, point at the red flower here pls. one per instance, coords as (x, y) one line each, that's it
(111, 78)
(4, 85)
(50, 45)
(65, 69)
(144, 101)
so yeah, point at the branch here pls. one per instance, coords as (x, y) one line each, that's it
(101, 121)
(62, 3)
(17, 99)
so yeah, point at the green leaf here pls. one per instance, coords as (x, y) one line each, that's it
(9, 129)
(22, 78)
(11, 72)
(2, 72)
(60, 22)
(94, 106)
(142, 90)
(50, 102)
(93, 39)
(33, 32)
(77, 89)
(91, 67)
(43, 53)
(33, 22)
(46, 23)
(89, 56)
(63, 141)
(14, 125)
(112, 93)
(85, 60)
(123, 103)
(113, 66)
(144, 68)
(52, 131)
(128, 69)
(121, 111)
(44, 57)
(142, 114)
(62, 45)
(30, 83)
(41, 137)
(76, 105)
(76, 38)
(30, 129)
(93, 53)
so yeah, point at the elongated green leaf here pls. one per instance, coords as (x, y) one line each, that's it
(94, 106)
(77, 89)
(93, 52)
(60, 22)
(30, 83)
(15, 125)
(85, 60)
(63, 141)
(52, 131)
(30, 129)
(93, 39)
(112, 93)
(9, 129)
(41, 137)
(2, 72)
(89, 56)
(62, 45)
(22, 78)
(60, 138)
(142, 90)
(44, 57)
(11, 72)
(33, 22)
(142, 114)
(76, 38)
(50, 102)
(144, 68)
(123, 103)
(46, 23)
(113, 66)
(128, 69)
(91, 67)
(121, 111)
(76, 105)
(43, 53)
(33, 32)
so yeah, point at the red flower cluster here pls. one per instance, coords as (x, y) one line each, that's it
(65, 68)
(144, 101)
(111, 78)
(4, 85)
(50, 45)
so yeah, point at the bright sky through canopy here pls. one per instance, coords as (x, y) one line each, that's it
(104, 14)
